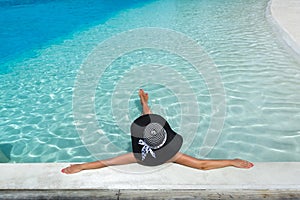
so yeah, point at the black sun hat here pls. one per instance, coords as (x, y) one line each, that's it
(153, 140)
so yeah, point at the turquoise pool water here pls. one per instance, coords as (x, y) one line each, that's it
(44, 51)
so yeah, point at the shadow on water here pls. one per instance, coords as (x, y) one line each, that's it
(5, 150)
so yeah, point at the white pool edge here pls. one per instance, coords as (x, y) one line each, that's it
(284, 16)
(271, 175)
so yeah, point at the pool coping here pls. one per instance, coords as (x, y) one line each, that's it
(47, 176)
(284, 16)
(272, 176)
(276, 180)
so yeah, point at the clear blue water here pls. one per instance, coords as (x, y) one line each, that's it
(31, 24)
(46, 42)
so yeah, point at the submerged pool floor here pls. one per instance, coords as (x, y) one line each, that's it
(260, 79)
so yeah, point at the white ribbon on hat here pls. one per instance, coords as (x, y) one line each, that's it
(146, 149)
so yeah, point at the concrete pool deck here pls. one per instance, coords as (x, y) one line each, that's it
(264, 180)
(286, 14)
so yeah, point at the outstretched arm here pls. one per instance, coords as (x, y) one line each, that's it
(119, 160)
(189, 161)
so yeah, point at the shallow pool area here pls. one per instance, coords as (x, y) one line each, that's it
(259, 76)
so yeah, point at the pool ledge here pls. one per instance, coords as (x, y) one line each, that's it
(285, 15)
(263, 176)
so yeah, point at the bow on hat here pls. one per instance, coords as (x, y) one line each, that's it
(146, 149)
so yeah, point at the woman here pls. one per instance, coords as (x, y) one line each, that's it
(155, 143)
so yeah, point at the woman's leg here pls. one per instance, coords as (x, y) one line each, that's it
(189, 161)
(144, 101)
(119, 160)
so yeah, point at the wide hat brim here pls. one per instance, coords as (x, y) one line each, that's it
(162, 154)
